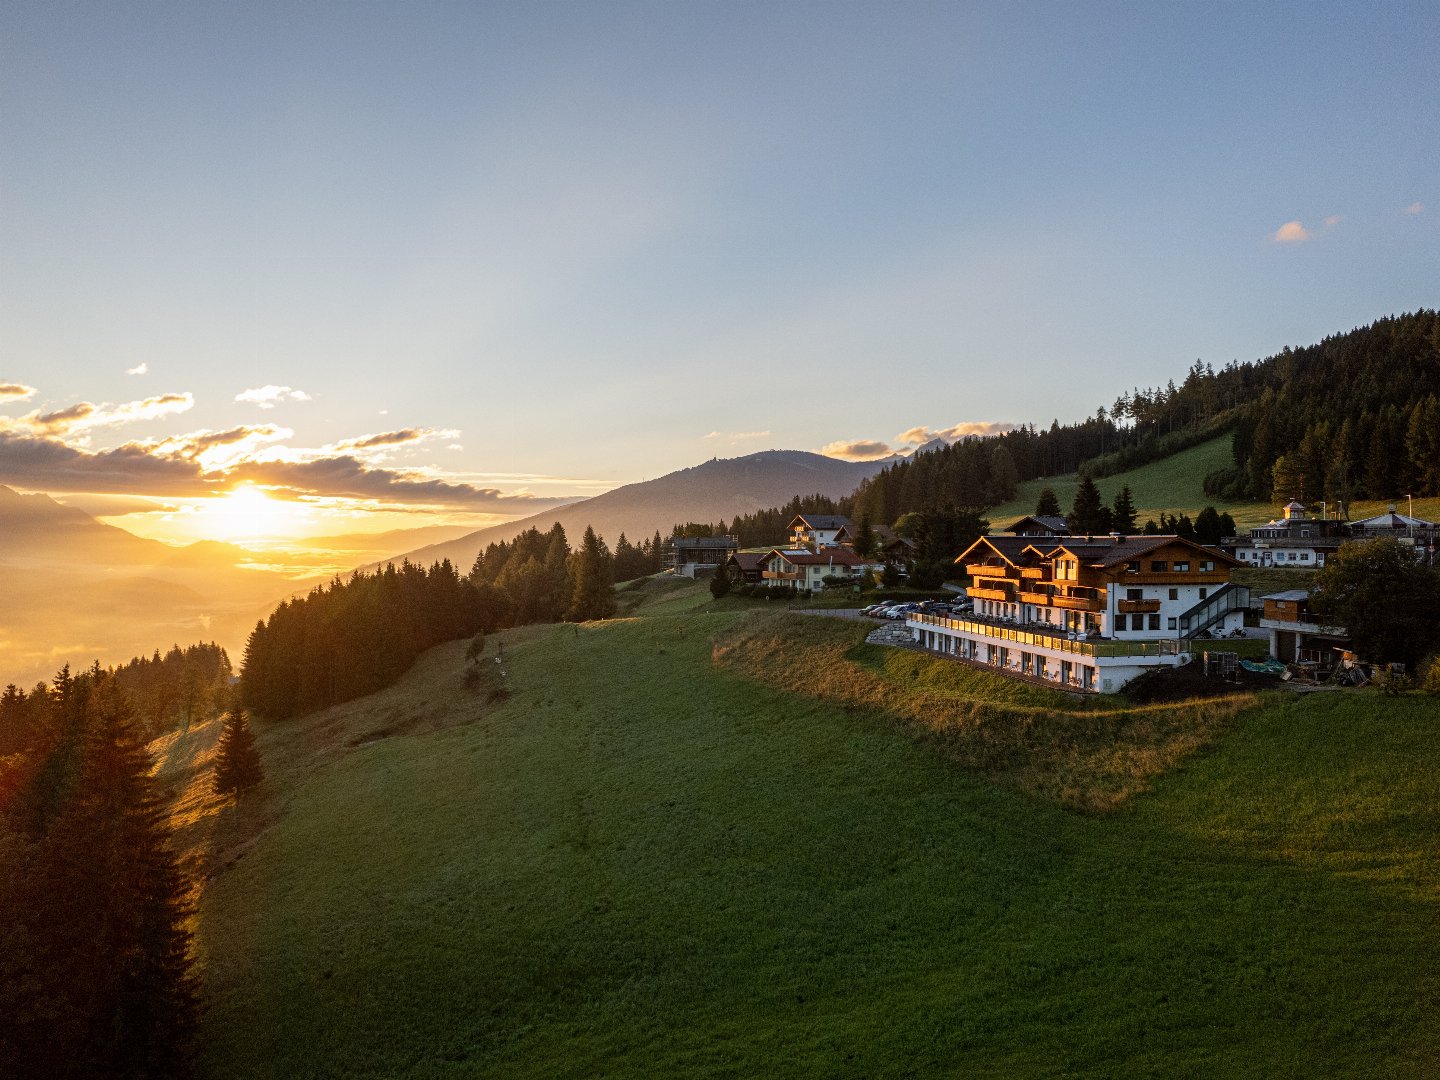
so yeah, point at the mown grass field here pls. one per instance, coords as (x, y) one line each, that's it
(656, 860)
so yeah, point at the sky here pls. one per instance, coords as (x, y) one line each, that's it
(293, 264)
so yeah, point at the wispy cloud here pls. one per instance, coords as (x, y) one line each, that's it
(1416, 207)
(84, 415)
(138, 369)
(1333, 220)
(1292, 232)
(11, 391)
(270, 395)
(738, 436)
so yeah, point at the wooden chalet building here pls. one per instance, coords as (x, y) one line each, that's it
(889, 545)
(1087, 613)
(807, 570)
(746, 567)
(1294, 540)
(815, 531)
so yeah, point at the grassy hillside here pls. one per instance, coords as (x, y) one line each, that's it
(653, 860)
(1175, 485)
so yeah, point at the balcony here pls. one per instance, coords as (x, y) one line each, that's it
(782, 575)
(1138, 607)
(1041, 598)
(988, 570)
(1033, 572)
(1004, 596)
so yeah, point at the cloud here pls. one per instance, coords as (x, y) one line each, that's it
(918, 436)
(47, 464)
(1416, 207)
(83, 415)
(1333, 220)
(268, 396)
(1292, 232)
(345, 476)
(139, 369)
(856, 450)
(392, 438)
(10, 391)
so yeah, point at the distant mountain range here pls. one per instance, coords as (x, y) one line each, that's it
(720, 488)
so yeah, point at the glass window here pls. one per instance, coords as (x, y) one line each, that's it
(1182, 567)
(1174, 594)
(1169, 623)
(1119, 622)
(1204, 593)
(1158, 566)
(1155, 623)
(1132, 567)
(1134, 594)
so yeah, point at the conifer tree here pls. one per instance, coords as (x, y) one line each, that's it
(1122, 512)
(720, 582)
(864, 538)
(594, 595)
(1049, 505)
(1087, 513)
(237, 768)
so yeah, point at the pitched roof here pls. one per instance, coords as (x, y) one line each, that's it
(1007, 548)
(1288, 594)
(749, 560)
(1047, 522)
(830, 556)
(1105, 551)
(821, 521)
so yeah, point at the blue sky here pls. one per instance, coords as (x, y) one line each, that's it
(565, 246)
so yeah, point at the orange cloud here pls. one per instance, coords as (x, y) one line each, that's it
(1292, 232)
(1415, 208)
(856, 450)
(12, 391)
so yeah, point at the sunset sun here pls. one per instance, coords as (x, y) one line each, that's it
(246, 513)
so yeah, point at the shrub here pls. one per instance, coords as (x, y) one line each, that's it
(1431, 681)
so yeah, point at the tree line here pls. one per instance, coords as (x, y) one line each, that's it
(95, 961)
(352, 637)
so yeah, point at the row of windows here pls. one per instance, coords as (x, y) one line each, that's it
(1160, 566)
(1139, 594)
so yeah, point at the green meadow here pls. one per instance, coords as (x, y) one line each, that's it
(1175, 485)
(667, 855)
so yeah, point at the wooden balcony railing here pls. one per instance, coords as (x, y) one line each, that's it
(1138, 607)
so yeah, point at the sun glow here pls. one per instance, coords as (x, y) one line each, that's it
(247, 513)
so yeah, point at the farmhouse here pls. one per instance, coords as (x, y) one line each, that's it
(815, 531)
(746, 566)
(807, 570)
(1088, 613)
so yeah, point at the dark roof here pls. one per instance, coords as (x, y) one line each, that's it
(1049, 523)
(677, 542)
(1111, 550)
(749, 560)
(1009, 548)
(836, 556)
(822, 521)
(1288, 594)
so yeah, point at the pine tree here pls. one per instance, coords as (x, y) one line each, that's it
(864, 537)
(1049, 505)
(720, 582)
(237, 768)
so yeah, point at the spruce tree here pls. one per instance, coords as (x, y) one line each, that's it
(720, 582)
(864, 538)
(594, 595)
(1049, 505)
(1088, 513)
(237, 766)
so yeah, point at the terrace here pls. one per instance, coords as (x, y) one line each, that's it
(1043, 636)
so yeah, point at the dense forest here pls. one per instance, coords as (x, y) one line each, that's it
(1356, 416)
(95, 975)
